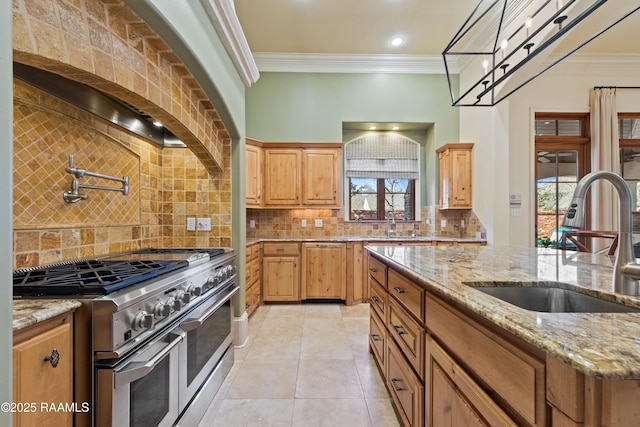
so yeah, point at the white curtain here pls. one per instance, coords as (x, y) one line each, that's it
(605, 151)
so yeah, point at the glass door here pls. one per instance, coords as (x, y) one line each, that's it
(557, 176)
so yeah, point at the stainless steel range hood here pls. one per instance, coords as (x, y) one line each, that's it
(96, 102)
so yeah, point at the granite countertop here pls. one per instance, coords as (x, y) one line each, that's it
(27, 312)
(376, 239)
(603, 345)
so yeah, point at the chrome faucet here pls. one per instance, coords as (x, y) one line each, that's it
(626, 272)
(391, 219)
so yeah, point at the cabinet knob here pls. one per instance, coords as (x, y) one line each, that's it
(54, 359)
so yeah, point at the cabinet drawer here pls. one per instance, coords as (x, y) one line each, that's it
(378, 339)
(506, 371)
(409, 336)
(254, 271)
(453, 398)
(249, 252)
(405, 388)
(378, 299)
(378, 271)
(278, 249)
(406, 293)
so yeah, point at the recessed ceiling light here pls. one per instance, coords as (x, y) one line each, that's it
(395, 128)
(397, 41)
(372, 128)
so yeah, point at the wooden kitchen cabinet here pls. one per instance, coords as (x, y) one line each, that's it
(324, 271)
(254, 174)
(453, 398)
(43, 372)
(293, 174)
(281, 272)
(282, 179)
(253, 277)
(357, 283)
(321, 177)
(455, 175)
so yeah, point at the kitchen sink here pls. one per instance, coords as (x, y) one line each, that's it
(550, 297)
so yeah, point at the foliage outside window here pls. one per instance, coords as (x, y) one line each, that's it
(629, 138)
(379, 199)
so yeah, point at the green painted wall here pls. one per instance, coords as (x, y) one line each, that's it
(308, 107)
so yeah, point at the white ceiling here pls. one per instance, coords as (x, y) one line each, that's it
(343, 27)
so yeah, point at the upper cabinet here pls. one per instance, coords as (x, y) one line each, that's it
(254, 169)
(455, 175)
(294, 175)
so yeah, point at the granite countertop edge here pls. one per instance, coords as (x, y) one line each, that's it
(28, 312)
(602, 345)
(377, 239)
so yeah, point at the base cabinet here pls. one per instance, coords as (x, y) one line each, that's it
(43, 373)
(281, 272)
(253, 277)
(324, 271)
(452, 398)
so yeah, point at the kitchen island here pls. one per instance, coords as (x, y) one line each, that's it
(442, 342)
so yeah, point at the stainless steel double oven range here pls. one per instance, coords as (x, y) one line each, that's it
(160, 331)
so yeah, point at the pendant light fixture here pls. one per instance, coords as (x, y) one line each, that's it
(504, 44)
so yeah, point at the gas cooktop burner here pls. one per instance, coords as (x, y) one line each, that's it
(92, 277)
(213, 252)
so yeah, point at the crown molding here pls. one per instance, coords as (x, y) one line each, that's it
(351, 63)
(223, 17)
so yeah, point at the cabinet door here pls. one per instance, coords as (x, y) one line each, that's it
(452, 398)
(254, 175)
(280, 279)
(320, 182)
(325, 270)
(282, 177)
(357, 289)
(460, 179)
(37, 380)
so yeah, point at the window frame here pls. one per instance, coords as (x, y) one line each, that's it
(380, 203)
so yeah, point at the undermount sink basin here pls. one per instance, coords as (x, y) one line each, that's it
(550, 297)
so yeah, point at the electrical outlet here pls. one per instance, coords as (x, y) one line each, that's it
(303, 223)
(318, 223)
(204, 224)
(191, 224)
(252, 223)
(443, 223)
(462, 223)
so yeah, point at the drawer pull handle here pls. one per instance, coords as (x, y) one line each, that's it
(399, 290)
(375, 337)
(257, 270)
(394, 382)
(373, 270)
(248, 277)
(375, 299)
(399, 330)
(279, 249)
(54, 359)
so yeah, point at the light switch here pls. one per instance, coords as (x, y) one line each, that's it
(252, 223)
(204, 224)
(443, 223)
(318, 223)
(303, 223)
(516, 212)
(191, 224)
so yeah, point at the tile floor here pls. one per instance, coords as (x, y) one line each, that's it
(304, 365)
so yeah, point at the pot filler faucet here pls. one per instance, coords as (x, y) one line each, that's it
(626, 272)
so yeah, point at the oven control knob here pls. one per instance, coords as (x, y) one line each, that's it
(162, 309)
(143, 320)
(175, 303)
(183, 297)
(194, 291)
(231, 270)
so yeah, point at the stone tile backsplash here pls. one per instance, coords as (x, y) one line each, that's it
(282, 223)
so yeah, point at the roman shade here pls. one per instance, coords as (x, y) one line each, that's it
(382, 155)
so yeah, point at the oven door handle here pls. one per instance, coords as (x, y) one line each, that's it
(142, 369)
(191, 324)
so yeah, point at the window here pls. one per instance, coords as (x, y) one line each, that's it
(382, 172)
(629, 138)
(561, 160)
(376, 199)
